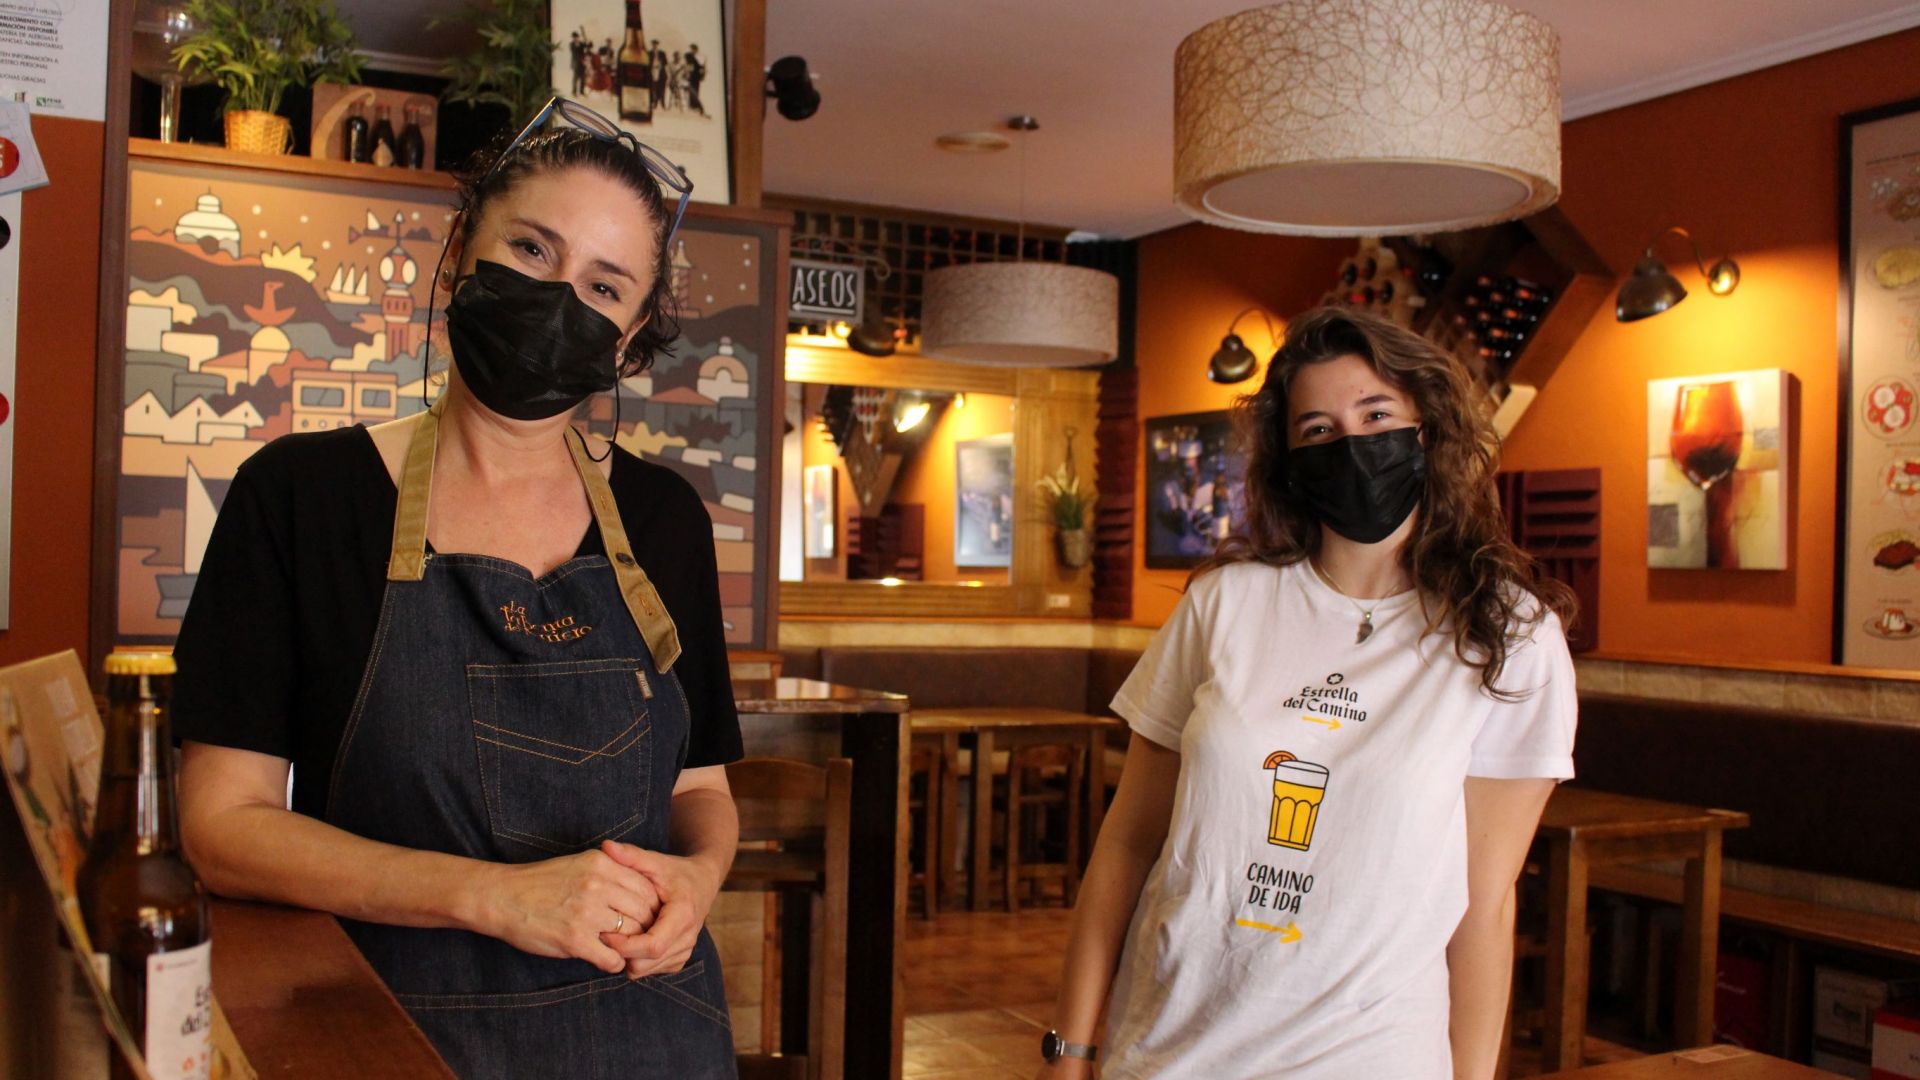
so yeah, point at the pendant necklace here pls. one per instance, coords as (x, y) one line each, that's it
(1366, 613)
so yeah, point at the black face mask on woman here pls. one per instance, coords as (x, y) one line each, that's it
(1361, 486)
(529, 349)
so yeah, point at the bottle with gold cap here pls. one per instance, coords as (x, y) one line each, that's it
(145, 910)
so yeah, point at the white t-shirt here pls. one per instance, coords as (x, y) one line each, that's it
(1315, 867)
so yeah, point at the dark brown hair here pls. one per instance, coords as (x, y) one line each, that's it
(1473, 581)
(567, 148)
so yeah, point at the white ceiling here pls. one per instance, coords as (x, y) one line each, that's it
(1098, 74)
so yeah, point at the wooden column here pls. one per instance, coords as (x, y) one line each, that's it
(747, 101)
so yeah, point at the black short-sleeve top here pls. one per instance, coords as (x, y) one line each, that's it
(287, 603)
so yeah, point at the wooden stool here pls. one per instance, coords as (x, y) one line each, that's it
(926, 794)
(805, 812)
(1031, 790)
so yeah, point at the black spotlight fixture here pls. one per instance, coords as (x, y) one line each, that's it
(873, 337)
(791, 88)
(1233, 362)
(1653, 289)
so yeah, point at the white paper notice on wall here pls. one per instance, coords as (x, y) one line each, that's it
(21, 168)
(53, 56)
(9, 311)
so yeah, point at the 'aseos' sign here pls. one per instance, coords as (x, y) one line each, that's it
(822, 290)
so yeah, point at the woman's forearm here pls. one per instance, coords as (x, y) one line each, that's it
(1108, 895)
(260, 852)
(706, 829)
(1480, 978)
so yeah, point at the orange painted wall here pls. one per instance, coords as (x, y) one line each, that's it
(928, 479)
(1193, 280)
(1750, 166)
(52, 482)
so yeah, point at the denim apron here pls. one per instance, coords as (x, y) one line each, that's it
(513, 719)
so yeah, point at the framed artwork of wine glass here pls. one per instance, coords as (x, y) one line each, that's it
(659, 69)
(1719, 471)
(1876, 609)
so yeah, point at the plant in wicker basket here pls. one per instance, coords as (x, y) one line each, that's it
(514, 64)
(1069, 505)
(256, 49)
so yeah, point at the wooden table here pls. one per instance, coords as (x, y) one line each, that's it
(1705, 1063)
(1013, 726)
(1583, 829)
(302, 1001)
(870, 727)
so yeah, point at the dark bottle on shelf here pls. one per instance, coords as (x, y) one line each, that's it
(354, 136)
(145, 911)
(412, 145)
(635, 71)
(384, 150)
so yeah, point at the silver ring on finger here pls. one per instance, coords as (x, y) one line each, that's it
(619, 921)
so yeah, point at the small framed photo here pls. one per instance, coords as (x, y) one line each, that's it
(821, 489)
(1196, 488)
(983, 506)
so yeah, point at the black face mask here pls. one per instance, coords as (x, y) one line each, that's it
(1361, 486)
(528, 349)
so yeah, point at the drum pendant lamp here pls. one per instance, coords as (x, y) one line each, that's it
(1021, 314)
(1367, 117)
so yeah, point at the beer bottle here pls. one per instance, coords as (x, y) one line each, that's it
(635, 70)
(145, 910)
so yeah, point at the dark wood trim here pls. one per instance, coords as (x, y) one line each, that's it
(110, 354)
(1844, 338)
(750, 214)
(774, 437)
(747, 103)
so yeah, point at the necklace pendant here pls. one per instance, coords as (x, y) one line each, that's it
(1366, 629)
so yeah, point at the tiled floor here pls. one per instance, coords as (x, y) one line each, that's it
(980, 992)
(981, 988)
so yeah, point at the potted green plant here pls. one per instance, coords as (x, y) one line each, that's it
(514, 64)
(1068, 504)
(257, 49)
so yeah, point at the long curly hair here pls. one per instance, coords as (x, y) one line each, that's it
(1475, 584)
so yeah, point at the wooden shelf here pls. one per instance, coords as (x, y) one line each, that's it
(200, 154)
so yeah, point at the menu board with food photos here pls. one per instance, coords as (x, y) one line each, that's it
(1877, 609)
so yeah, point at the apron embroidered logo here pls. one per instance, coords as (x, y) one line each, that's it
(557, 632)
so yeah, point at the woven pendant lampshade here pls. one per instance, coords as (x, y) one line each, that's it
(1021, 314)
(1367, 117)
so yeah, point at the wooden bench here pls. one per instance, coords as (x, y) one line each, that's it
(1799, 920)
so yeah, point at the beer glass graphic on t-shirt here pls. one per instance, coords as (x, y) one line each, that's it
(1298, 787)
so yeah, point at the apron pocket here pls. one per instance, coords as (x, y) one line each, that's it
(565, 761)
(692, 989)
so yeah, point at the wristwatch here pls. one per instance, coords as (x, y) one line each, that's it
(1053, 1048)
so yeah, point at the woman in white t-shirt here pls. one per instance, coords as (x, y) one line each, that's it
(1342, 742)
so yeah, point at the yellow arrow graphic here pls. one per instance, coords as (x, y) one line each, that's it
(1332, 725)
(1289, 933)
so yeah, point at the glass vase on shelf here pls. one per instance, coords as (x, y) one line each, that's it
(159, 26)
(1708, 429)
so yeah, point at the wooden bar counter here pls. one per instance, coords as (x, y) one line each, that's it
(303, 1002)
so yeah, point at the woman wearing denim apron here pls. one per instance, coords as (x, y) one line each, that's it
(490, 652)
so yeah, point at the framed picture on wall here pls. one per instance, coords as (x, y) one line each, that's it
(1196, 487)
(659, 69)
(1877, 565)
(822, 485)
(1719, 471)
(983, 501)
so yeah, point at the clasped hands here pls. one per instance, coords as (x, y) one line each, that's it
(572, 905)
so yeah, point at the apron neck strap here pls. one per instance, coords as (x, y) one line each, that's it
(407, 559)
(643, 601)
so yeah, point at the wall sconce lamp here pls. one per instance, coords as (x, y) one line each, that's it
(791, 88)
(1233, 362)
(1653, 289)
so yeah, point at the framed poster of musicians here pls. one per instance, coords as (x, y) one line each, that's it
(659, 67)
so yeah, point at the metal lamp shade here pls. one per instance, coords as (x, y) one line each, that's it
(1651, 290)
(1232, 362)
(1367, 117)
(1021, 314)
